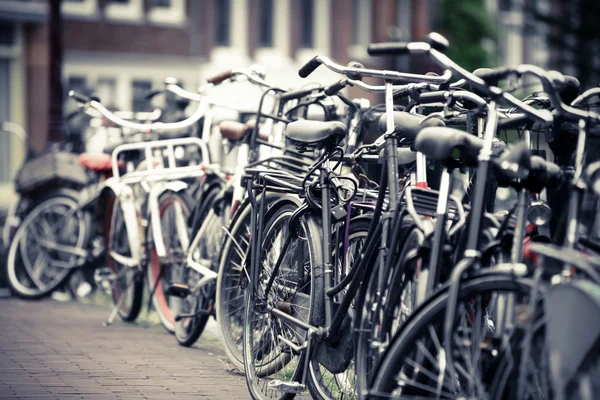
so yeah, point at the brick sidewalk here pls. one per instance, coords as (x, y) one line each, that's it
(51, 350)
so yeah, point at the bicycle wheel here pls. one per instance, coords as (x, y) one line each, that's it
(35, 264)
(415, 364)
(174, 210)
(323, 383)
(382, 314)
(273, 369)
(230, 291)
(127, 281)
(199, 304)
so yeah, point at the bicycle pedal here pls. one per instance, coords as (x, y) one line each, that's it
(104, 278)
(287, 387)
(180, 290)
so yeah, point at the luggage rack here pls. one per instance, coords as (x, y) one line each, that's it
(421, 203)
(168, 171)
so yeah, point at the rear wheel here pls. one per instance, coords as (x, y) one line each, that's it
(35, 264)
(127, 286)
(174, 210)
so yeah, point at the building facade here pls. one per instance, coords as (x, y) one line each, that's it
(118, 49)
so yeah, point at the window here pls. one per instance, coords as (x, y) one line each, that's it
(7, 34)
(105, 90)
(125, 10)
(139, 101)
(266, 24)
(78, 84)
(222, 19)
(160, 3)
(361, 32)
(80, 8)
(307, 27)
(505, 5)
(167, 12)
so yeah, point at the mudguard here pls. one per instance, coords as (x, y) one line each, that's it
(157, 190)
(124, 194)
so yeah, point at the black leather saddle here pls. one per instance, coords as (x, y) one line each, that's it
(448, 144)
(409, 125)
(315, 133)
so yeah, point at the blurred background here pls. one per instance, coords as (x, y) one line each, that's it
(119, 49)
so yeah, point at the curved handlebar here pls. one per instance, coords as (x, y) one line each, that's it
(154, 127)
(357, 73)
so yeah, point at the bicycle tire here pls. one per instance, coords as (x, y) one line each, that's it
(161, 302)
(230, 294)
(369, 308)
(340, 385)
(189, 330)
(259, 372)
(115, 231)
(59, 201)
(431, 314)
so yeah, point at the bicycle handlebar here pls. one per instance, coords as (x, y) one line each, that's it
(358, 73)
(220, 77)
(153, 127)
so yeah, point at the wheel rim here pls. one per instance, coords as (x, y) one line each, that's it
(116, 239)
(416, 371)
(164, 304)
(30, 271)
(342, 385)
(269, 360)
(232, 296)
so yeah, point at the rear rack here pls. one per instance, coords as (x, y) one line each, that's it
(166, 149)
(421, 203)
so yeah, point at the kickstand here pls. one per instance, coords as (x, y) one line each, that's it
(115, 310)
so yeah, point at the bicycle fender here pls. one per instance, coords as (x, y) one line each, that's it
(155, 192)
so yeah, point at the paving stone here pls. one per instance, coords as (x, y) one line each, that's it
(51, 350)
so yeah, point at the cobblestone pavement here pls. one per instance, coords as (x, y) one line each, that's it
(51, 350)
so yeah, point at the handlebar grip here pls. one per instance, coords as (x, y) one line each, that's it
(154, 92)
(433, 97)
(438, 42)
(493, 76)
(571, 89)
(336, 87)
(388, 49)
(220, 77)
(309, 67)
(295, 94)
(514, 121)
(80, 97)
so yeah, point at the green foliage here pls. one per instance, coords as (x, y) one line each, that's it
(467, 25)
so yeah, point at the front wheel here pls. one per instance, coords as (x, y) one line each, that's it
(415, 363)
(37, 261)
(127, 286)
(174, 210)
(273, 368)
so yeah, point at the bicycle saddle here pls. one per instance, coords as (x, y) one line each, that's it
(447, 144)
(312, 133)
(409, 125)
(234, 130)
(96, 162)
